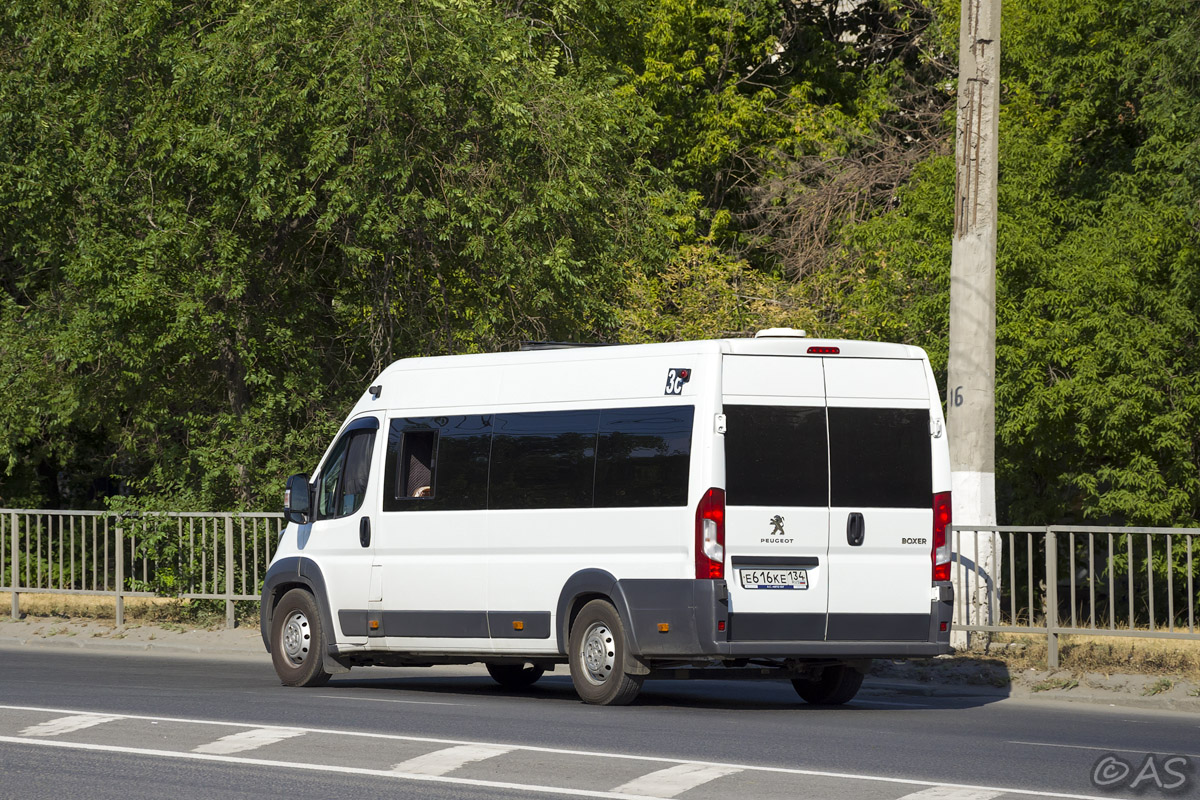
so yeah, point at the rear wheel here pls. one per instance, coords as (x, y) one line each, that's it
(298, 641)
(515, 676)
(597, 653)
(836, 685)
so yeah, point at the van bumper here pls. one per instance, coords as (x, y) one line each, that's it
(693, 612)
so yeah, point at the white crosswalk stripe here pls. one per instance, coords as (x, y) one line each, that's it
(75, 722)
(440, 762)
(247, 740)
(525, 768)
(674, 780)
(951, 793)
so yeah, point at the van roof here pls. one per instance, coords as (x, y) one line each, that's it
(774, 345)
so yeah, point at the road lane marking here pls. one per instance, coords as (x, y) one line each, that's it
(674, 780)
(439, 762)
(332, 768)
(525, 748)
(75, 722)
(247, 740)
(536, 788)
(951, 793)
(1102, 749)
(389, 700)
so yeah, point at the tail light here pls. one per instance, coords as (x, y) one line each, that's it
(941, 537)
(710, 535)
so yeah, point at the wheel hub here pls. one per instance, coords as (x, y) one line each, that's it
(599, 653)
(296, 637)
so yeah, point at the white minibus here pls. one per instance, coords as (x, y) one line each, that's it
(774, 506)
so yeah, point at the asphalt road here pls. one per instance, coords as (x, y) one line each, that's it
(98, 725)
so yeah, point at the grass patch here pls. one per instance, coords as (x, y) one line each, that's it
(171, 613)
(1158, 687)
(1105, 655)
(1055, 683)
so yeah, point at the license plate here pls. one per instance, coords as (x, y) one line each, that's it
(773, 578)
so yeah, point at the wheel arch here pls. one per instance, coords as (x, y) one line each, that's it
(295, 572)
(579, 590)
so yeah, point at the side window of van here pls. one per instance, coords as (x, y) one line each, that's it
(543, 459)
(776, 456)
(622, 457)
(642, 456)
(437, 463)
(342, 483)
(880, 457)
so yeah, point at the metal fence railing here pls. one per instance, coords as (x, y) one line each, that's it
(192, 555)
(1052, 580)
(1071, 579)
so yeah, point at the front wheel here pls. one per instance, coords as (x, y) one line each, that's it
(597, 654)
(298, 641)
(515, 676)
(836, 685)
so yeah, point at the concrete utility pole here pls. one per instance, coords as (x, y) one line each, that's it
(971, 393)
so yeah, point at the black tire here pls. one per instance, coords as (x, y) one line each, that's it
(837, 685)
(515, 676)
(298, 641)
(597, 655)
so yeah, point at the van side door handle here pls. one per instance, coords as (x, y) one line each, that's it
(364, 531)
(856, 529)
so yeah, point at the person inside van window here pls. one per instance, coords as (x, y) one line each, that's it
(420, 463)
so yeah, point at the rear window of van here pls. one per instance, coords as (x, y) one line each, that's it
(776, 456)
(880, 458)
(813, 456)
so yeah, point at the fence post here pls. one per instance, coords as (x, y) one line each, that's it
(120, 587)
(16, 572)
(1051, 599)
(229, 616)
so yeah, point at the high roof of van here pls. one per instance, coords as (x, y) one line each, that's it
(622, 371)
(778, 345)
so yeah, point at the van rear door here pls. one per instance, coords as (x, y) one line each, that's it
(881, 498)
(776, 497)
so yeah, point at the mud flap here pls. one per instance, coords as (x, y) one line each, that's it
(634, 666)
(332, 665)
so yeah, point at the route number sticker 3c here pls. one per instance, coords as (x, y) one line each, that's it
(676, 378)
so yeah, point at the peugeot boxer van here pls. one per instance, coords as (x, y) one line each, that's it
(774, 507)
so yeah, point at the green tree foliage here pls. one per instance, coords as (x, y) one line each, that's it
(1098, 373)
(1101, 373)
(217, 221)
(704, 293)
(220, 219)
(735, 84)
(782, 123)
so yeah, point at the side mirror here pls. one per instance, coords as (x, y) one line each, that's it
(297, 507)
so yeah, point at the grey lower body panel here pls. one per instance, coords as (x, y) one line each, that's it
(878, 628)
(447, 624)
(777, 650)
(682, 620)
(777, 627)
(693, 612)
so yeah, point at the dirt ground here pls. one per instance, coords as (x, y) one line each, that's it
(165, 636)
(977, 669)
